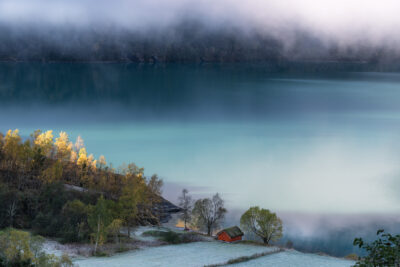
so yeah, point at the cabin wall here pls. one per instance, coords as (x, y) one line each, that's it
(225, 237)
(236, 239)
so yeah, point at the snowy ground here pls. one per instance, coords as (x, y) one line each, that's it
(76, 250)
(136, 233)
(150, 253)
(192, 254)
(53, 247)
(73, 250)
(296, 259)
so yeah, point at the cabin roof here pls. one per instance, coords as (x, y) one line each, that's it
(232, 232)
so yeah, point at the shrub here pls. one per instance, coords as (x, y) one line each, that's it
(19, 248)
(385, 251)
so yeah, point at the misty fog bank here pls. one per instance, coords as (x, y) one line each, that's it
(198, 31)
(327, 233)
(185, 42)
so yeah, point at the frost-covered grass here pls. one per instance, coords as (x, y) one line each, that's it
(137, 233)
(53, 247)
(207, 253)
(192, 254)
(294, 258)
(72, 250)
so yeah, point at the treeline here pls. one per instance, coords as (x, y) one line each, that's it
(54, 187)
(207, 214)
(188, 41)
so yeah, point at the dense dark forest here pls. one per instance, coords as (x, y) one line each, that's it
(53, 187)
(187, 41)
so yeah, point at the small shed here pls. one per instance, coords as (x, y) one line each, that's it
(231, 234)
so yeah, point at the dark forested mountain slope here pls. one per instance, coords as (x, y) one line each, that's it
(187, 41)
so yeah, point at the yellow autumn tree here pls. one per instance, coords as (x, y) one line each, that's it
(12, 135)
(76, 152)
(45, 142)
(74, 156)
(11, 146)
(84, 162)
(92, 162)
(63, 146)
(102, 162)
(82, 159)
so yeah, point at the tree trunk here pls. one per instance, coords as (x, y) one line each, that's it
(97, 236)
(11, 213)
(129, 231)
(265, 240)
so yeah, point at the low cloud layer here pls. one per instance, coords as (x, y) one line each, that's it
(350, 26)
(353, 20)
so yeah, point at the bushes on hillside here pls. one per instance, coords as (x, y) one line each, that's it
(19, 248)
(384, 251)
(54, 187)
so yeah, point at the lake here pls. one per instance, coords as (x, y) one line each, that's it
(313, 140)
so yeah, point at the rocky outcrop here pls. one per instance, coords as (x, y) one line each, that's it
(164, 209)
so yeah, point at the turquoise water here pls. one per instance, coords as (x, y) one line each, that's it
(289, 141)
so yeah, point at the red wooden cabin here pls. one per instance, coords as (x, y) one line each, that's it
(231, 234)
